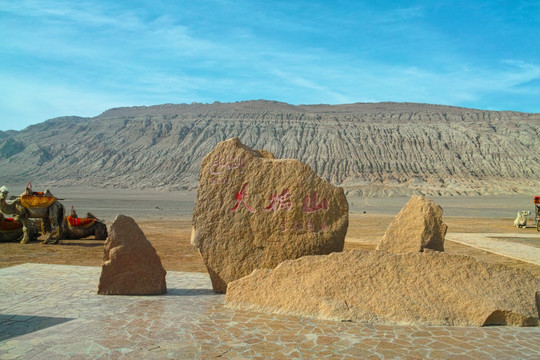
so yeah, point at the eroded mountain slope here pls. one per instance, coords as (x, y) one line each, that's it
(371, 149)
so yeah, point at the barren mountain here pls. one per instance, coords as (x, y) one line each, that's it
(378, 149)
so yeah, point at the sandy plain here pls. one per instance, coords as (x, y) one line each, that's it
(165, 218)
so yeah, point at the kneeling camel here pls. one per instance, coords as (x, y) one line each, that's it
(78, 228)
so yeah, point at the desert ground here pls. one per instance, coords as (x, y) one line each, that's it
(165, 218)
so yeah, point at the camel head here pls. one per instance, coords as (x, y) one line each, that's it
(3, 192)
(524, 213)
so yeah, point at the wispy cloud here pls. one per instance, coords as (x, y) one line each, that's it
(401, 14)
(61, 57)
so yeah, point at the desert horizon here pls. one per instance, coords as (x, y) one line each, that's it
(106, 203)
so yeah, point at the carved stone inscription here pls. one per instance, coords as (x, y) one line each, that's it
(254, 211)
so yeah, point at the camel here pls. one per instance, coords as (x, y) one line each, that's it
(12, 230)
(78, 228)
(54, 213)
(521, 219)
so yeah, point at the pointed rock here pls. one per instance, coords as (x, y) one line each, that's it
(416, 227)
(131, 265)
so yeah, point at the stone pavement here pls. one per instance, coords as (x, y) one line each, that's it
(53, 312)
(517, 246)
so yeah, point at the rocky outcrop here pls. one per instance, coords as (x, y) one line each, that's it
(10, 147)
(381, 149)
(131, 265)
(416, 227)
(254, 211)
(430, 288)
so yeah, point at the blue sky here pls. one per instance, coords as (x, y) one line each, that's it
(63, 57)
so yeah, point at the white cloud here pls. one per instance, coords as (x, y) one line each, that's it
(62, 57)
(401, 14)
(520, 72)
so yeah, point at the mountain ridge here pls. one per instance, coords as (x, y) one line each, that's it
(371, 149)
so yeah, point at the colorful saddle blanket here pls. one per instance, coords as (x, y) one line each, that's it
(37, 201)
(9, 224)
(84, 222)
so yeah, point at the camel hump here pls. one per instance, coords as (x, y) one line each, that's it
(28, 191)
(80, 222)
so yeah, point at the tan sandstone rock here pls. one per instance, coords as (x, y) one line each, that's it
(416, 227)
(253, 211)
(131, 265)
(430, 288)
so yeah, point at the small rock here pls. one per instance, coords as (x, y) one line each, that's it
(131, 265)
(416, 227)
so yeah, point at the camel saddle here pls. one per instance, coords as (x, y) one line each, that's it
(37, 200)
(80, 222)
(9, 224)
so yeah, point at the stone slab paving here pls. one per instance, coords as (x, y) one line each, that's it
(53, 312)
(500, 244)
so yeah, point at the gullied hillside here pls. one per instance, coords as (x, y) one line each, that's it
(380, 149)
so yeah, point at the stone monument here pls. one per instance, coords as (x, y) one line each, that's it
(254, 211)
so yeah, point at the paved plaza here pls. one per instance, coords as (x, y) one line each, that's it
(53, 312)
(524, 247)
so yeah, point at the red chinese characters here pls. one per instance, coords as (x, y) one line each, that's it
(241, 199)
(282, 201)
(279, 202)
(310, 204)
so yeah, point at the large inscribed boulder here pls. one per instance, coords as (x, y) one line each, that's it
(131, 265)
(416, 227)
(254, 211)
(429, 288)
